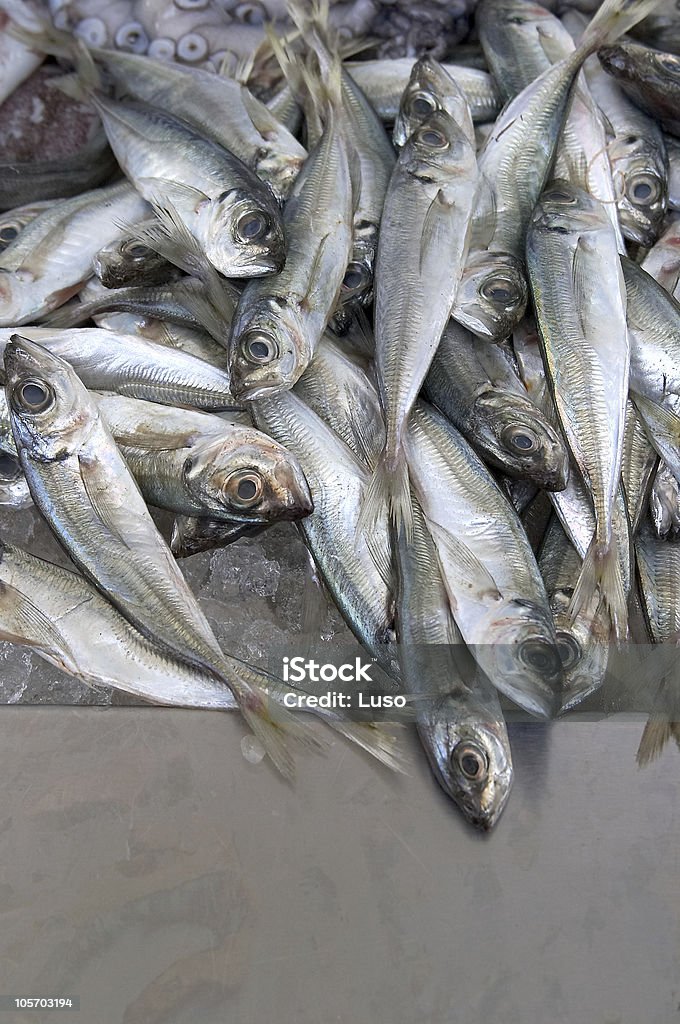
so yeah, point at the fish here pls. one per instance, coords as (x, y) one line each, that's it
(52, 256)
(495, 589)
(195, 464)
(580, 299)
(128, 261)
(384, 81)
(582, 640)
(650, 78)
(459, 719)
(435, 179)
(63, 618)
(638, 467)
(477, 388)
(515, 160)
(492, 295)
(430, 87)
(664, 504)
(81, 484)
(233, 216)
(636, 149)
(662, 425)
(217, 107)
(135, 367)
(12, 222)
(654, 323)
(279, 321)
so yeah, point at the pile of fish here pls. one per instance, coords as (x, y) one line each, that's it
(427, 311)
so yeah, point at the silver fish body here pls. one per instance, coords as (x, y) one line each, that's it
(127, 261)
(459, 720)
(477, 388)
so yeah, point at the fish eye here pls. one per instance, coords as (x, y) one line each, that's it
(432, 138)
(137, 250)
(568, 649)
(244, 488)
(558, 195)
(32, 396)
(520, 439)
(259, 347)
(539, 655)
(644, 189)
(471, 760)
(500, 290)
(356, 276)
(9, 466)
(669, 63)
(8, 233)
(253, 226)
(422, 104)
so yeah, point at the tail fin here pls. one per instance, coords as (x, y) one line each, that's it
(274, 725)
(655, 735)
(612, 19)
(601, 569)
(377, 742)
(389, 488)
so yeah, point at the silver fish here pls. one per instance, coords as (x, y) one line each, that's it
(580, 300)
(232, 214)
(14, 221)
(495, 589)
(279, 321)
(492, 295)
(477, 388)
(429, 88)
(461, 728)
(664, 504)
(435, 180)
(200, 465)
(81, 484)
(52, 257)
(135, 367)
(127, 261)
(218, 107)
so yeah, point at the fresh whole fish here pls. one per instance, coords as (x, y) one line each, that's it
(81, 484)
(492, 296)
(664, 504)
(134, 367)
(654, 323)
(459, 721)
(580, 299)
(52, 257)
(279, 321)
(14, 221)
(128, 261)
(430, 87)
(435, 179)
(232, 214)
(477, 388)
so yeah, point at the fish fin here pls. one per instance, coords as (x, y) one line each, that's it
(389, 488)
(22, 622)
(583, 285)
(260, 116)
(611, 20)
(274, 725)
(381, 556)
(482, 228)
(436, 226)
(601, 570)
(474, 570)
(655, 735)
(198, 302)
(377, 742)
(100, 499)
(175, 191)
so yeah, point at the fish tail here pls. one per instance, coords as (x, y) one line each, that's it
(389, 488)
(377, 742)
(601, 570)
(612, 19)
(655, 735)
(275, 726)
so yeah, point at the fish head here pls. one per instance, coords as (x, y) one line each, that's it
(242, 235)
(256, 481)
(45, 399)
(11, 225)
(519, 440)
(280, 170)
(568, 210)
(357, 284)
(269, 349)
(438, 147)
(583, 643)
(521, 655)
(641, 179)
(428, 90)
(641, 64)
(125, 261)
(492, 296)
